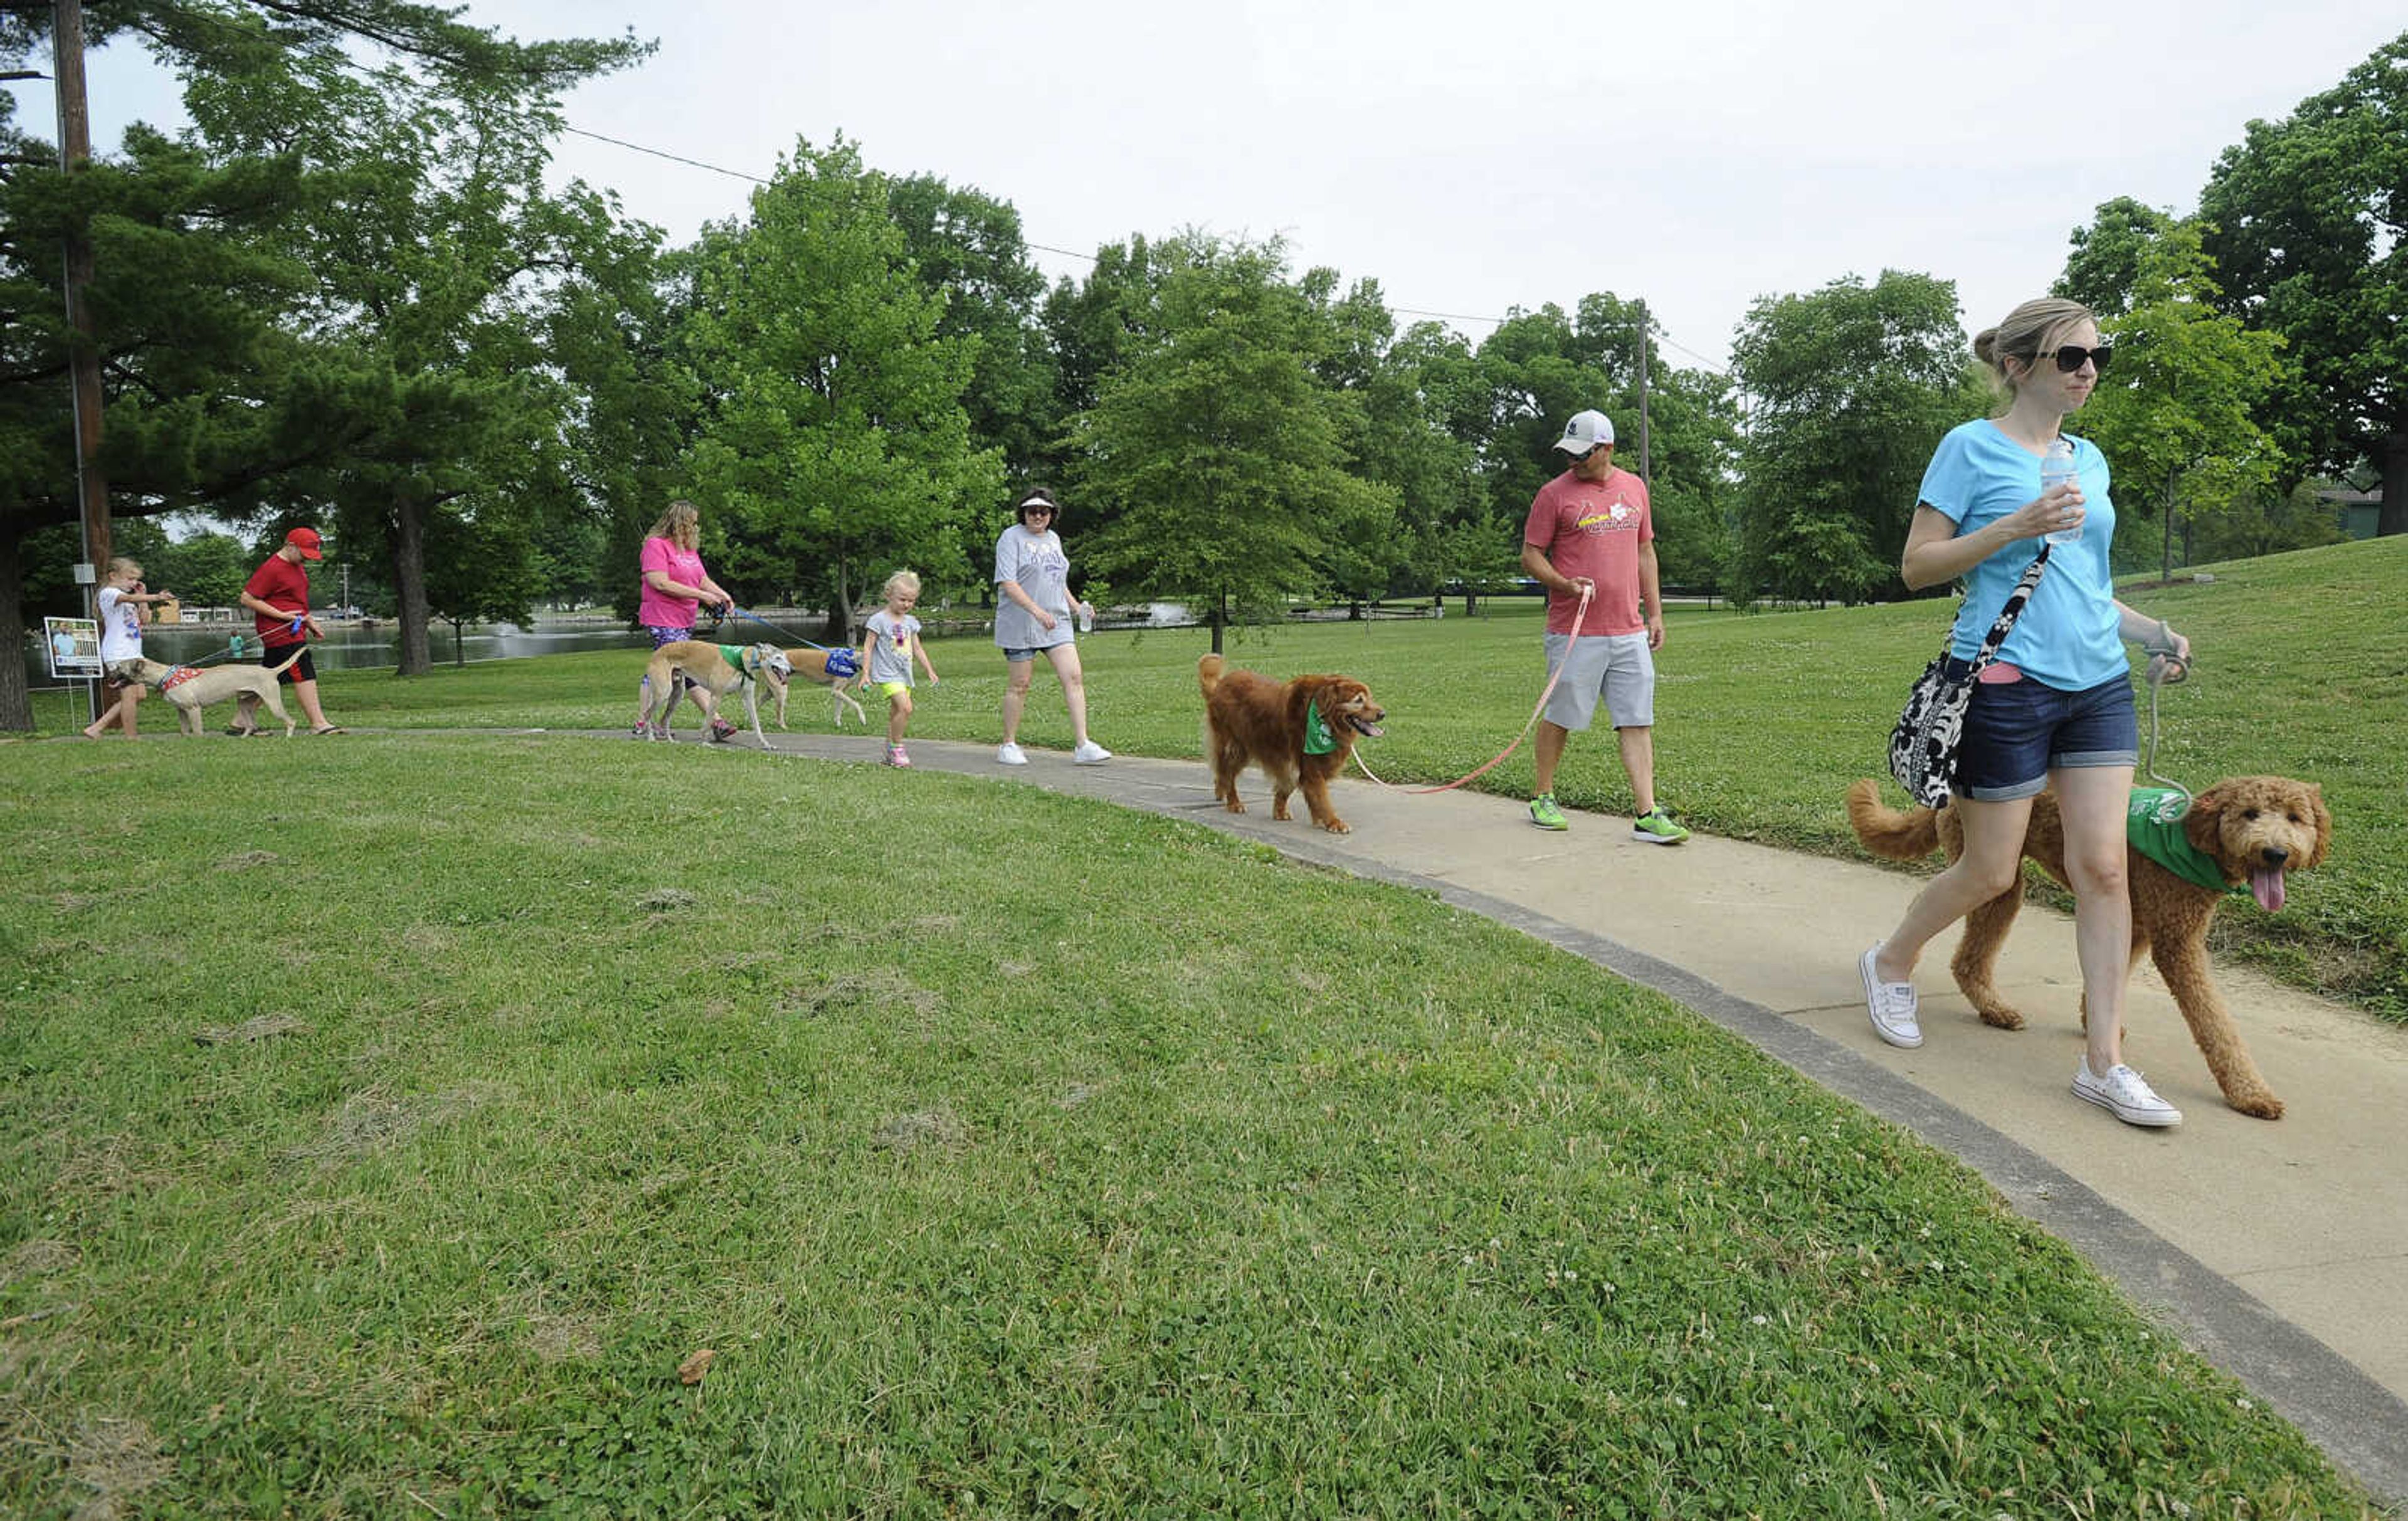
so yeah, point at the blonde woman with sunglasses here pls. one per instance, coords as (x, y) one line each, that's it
(2055, 710)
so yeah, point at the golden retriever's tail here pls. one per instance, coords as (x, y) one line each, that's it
(298, 651)
(1208, 673)
(1899, 837)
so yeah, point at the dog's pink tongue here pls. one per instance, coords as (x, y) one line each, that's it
(2267, 883)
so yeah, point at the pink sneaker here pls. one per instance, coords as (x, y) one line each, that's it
(895, 756)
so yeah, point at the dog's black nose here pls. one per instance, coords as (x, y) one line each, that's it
(2276, 854)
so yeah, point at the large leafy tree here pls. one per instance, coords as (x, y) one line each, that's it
(207, 398)
(437, 256)
(835, 433)
(1850, 387)
(223, 385)
(2105, 266)
(2178, 412)
(1542, 367)
(1223, 458)
(2308, 225)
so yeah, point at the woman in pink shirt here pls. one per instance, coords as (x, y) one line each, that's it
(675, 584)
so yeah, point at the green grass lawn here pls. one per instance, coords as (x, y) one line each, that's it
(388, 1119)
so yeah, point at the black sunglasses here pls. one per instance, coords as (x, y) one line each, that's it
(2070, 357)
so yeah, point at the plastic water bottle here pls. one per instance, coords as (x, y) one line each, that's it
(1086, 617)
(2057, 467)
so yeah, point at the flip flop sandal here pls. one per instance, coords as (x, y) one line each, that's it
(331, 728)
(236, 731)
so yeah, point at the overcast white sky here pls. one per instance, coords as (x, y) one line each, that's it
(1470, 157)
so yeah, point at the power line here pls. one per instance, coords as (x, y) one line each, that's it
(1074, 253)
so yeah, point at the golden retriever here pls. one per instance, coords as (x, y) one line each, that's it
(2258, 829)
(1251, 720)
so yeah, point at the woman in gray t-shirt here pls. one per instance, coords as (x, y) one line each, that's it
(1032, 612)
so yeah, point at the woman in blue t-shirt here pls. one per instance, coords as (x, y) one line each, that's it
(2055, 710)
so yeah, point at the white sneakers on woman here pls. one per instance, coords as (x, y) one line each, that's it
(2124, 1094)
(1892, 1005)
(1008, 754)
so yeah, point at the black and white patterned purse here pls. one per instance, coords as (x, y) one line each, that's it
(1923, 746)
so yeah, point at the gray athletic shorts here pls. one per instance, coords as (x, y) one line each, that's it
(1616, 666)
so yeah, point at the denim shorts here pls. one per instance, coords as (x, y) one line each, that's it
(2016, 731)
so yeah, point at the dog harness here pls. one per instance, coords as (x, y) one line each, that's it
(1317, 738)
(2153, 824)
(177, 677)
(841, 665)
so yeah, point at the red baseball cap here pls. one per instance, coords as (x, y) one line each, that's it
(306, 540)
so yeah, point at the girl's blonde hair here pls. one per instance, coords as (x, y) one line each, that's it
(680, 525)
(121, 566)
(2027, 332)
(901, 581)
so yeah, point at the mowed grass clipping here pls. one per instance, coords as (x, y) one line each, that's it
(389, 1121)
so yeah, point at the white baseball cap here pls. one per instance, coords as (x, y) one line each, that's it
(1584, 432)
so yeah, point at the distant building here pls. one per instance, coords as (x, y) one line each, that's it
(2354, 510)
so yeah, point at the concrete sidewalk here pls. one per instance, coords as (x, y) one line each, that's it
(2279, 1248)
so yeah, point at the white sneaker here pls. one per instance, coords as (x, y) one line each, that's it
(1090, 753)
(1008, 754)
(1892, 1006)
(2124, 1094)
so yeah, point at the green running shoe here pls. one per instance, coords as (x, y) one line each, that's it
(1656, 827)
(1545, 814)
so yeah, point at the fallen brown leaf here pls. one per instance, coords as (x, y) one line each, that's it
(692, 1369)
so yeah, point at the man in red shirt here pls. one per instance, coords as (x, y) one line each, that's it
(1589, 530)
(278, 596)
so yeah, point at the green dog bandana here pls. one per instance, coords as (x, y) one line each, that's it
(2153, 824)
(1317, 738)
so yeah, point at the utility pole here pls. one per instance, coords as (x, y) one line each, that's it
(1645, 475)
(83, 357)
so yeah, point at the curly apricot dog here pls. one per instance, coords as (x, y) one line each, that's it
(1251, 719)
(2257, 829)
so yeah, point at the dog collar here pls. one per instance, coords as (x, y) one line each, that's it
(1317, 738)
(177, 677)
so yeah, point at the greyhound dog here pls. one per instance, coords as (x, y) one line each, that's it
(812, 665)
(193, 688)
(709, 672)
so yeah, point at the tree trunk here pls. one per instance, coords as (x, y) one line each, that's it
(2392, 516)
(1218, 618)
(409, 584)
(2166, 562)
(1470, 603)
(16, 702)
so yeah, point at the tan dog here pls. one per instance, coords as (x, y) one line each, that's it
(680, 661)
(2257, 829)
(1279, 725)
(202, 685)
(811, 666)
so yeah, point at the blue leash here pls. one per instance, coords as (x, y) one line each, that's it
(834, 654)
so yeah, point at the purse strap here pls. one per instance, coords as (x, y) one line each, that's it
(2005, 623)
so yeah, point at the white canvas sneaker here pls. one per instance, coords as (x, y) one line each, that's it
(1090, 753)
(1892, 1006)
(2124, 1094)
(1008, 754)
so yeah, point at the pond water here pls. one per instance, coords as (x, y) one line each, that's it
(350, 647)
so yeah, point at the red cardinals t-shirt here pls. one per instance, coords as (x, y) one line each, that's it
(1593, 529)
(280, 583)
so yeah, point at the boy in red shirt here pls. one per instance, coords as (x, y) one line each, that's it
(278, 596)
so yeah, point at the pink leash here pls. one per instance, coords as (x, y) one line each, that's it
(1578, 615)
